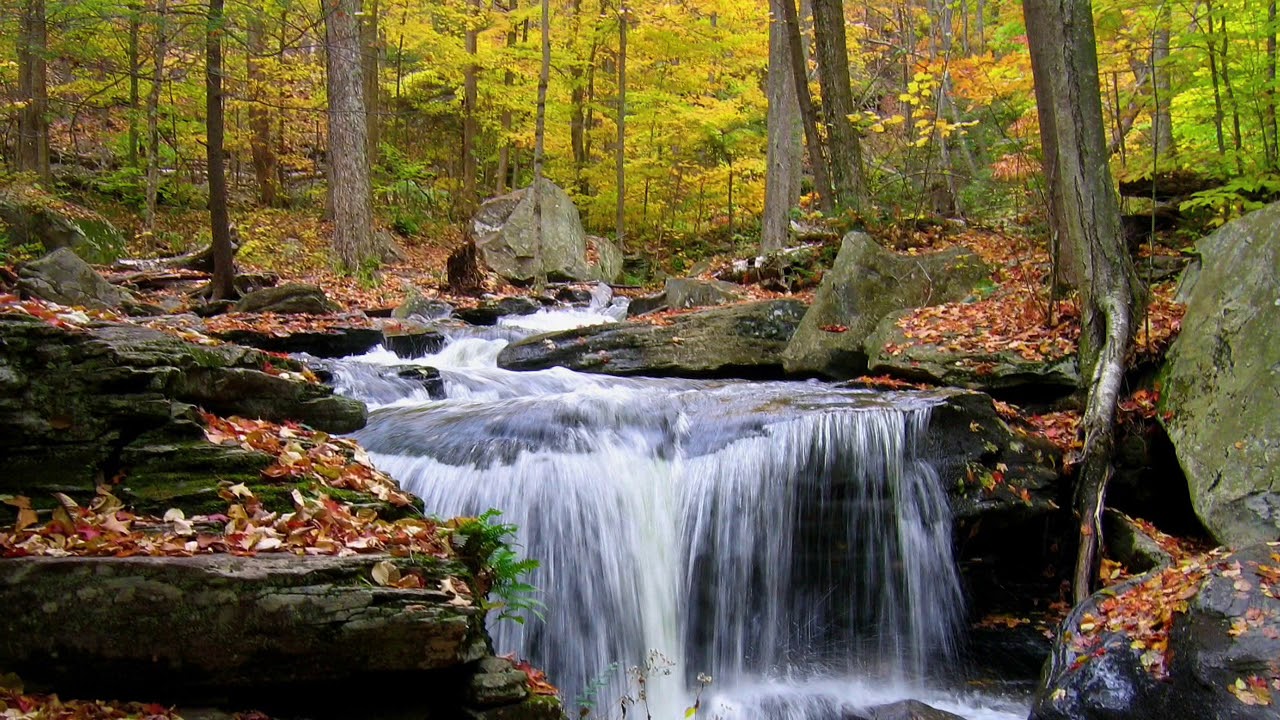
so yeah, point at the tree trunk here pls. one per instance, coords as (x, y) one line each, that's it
(1162, 88)
(135, 72)
(504, 148)
(261, 149)
(222, 285)
(348, 164)
(33, 89)
(808, 115)
(153, 113)
(843, 144)
(1238, 141)
(371, 71)
(621, 150)
(1065, 67)
(469, 100)
(539, 142)
(577, 104)
(1269, 107)
(783, 153)
(1218, 114)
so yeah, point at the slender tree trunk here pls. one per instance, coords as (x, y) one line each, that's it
(371, 71)
(348, 164)
(1162, 88)
(222, 285)
(621, 150)
(153, 111)
(1237, 140)
(783, 153)
(261, 149)
(33, 88)
(1269, 106)
(135, 72)
(843, 143)
(577, 104)
(539, 142)
(808, 115)
(1219, 115)
(1065, 67)
(469, 100)
(508, 81)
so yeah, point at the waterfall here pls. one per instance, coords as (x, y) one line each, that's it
(790, 540)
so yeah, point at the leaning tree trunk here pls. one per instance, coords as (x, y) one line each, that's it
(808, 115)
(843, 144)
(350, 193)
(33, 89)
(1065, 67)
(783, 154)
(222, 285)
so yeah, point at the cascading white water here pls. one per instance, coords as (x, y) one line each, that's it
(788, 539)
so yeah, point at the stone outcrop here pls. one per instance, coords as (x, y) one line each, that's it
(1221, 394)
(890, 352)
(684, 293)
(506, 238)
(866, 283)
(34, 217)
(83, 405)
(1228, 637)
(63, 277)
(739, 341)
(285, 299)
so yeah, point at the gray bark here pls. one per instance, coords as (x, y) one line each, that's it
(843, 144)
(621, 148)
(222, 285)
(1163, 90)
(348, 162)
(783, 154)
(153, 111)
(33, 89)
(808, 114)
(469, 101)
(1087, 217)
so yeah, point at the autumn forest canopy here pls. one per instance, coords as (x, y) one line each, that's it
(666, 102)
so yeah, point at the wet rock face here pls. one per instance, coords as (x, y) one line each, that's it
(80, 406)
(1222, 381)
(1227, 641)
(738, 341)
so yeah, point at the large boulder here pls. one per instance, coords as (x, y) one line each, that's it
(217, 622)
(294, 298)
(742, 340)
(866, 283)
(64, 278)
(81, 405)
(34, 217)
(1221, 654)
(683, 293)
(507, 239)
(1221, 392)
(1004, 371)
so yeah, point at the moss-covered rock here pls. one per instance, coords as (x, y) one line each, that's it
(891, 352)
(866, 283)
(1221, 393)
(80, 406)
(738, 341)
(36, 217)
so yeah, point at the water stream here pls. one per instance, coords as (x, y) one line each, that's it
(789, 540)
